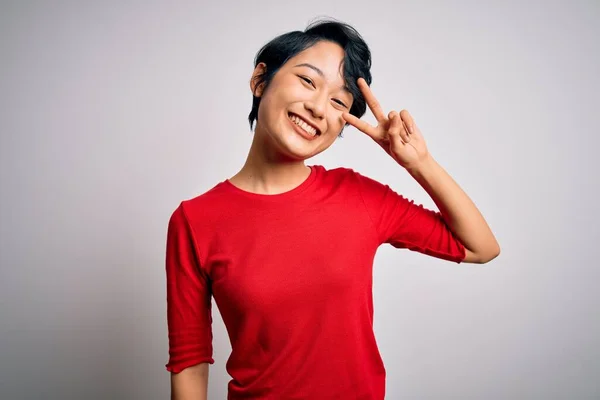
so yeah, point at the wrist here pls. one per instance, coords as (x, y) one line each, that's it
(422, 168)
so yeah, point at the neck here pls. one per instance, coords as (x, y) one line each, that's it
(268, 172)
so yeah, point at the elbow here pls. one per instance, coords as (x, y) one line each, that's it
(490, 254)
(482, 256)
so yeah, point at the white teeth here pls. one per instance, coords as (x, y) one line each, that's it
(307, 128)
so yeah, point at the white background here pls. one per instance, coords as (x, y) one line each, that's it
(113, 112)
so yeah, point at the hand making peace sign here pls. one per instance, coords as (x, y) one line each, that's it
(397, 133)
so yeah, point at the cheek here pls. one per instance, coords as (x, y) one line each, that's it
(275, 100)
(267, 107)
(337, 123)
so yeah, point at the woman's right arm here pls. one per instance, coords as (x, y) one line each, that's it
(189, 315)
(191, 383)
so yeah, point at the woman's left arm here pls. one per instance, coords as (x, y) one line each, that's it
(401, 138)
(459, 212)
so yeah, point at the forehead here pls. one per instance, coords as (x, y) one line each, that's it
(325, 56)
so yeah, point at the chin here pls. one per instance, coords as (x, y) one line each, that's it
(297, 147)
(293, 144)
(296, 153)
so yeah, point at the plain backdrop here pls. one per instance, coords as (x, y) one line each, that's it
(112, 112)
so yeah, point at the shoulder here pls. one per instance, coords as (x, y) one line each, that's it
(337, 175)
(352, 178)
(211, 196)
(201, 207)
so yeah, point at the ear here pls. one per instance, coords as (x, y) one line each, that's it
(260, 69)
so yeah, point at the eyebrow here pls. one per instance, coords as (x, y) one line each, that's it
(322, 75)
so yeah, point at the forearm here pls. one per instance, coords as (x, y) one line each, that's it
(459, 212)
(191, 383)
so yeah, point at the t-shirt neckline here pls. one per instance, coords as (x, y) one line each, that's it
(284, 195)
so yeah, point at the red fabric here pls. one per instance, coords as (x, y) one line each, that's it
(291, 275)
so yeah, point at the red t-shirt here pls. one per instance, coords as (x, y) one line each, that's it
(291, 275)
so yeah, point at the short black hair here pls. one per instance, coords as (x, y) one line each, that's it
(357, 58)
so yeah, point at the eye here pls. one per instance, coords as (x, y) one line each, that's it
(305, 79)
(340, 103)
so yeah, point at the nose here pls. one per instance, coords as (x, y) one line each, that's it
(317, 105)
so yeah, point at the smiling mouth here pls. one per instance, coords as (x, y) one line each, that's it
(302, 124)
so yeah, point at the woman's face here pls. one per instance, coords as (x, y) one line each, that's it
(300, 113)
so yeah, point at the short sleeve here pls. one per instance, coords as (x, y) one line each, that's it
(403, 224)
(188, 298)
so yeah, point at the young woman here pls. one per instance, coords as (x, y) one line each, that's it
(287, 249)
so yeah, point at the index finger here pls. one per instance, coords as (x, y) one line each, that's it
(361, 125)
(372, 102)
